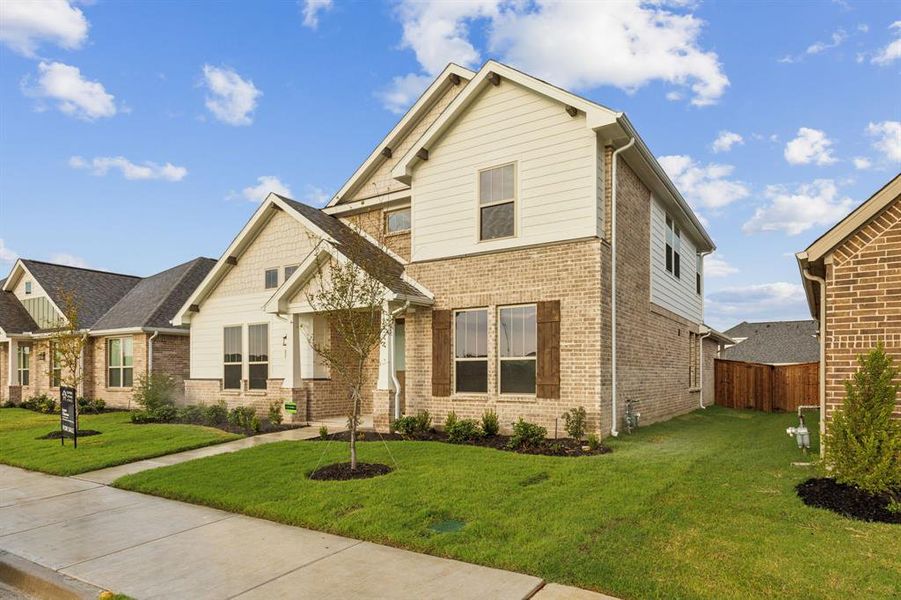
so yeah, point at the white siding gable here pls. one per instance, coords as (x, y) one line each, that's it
(556, 175)
(677, 295)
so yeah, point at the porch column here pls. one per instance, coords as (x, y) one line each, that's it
(306, 361)
(293, 355)
(11, 360)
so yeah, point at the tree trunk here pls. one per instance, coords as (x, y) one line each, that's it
(354, 418)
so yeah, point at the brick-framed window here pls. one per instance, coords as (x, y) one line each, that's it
(270, 278)
(471, 351)
(23, 364)
(497, 202)
(397, 221)
(233, 355)
(257, 356)
(673, 247)
(517, 349)
(119, 362)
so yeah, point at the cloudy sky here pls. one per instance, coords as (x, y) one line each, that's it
(134, 136)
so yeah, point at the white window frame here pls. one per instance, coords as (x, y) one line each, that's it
(388, 214)
(503, 358)
(258, 362)
(486, 359)
(28, 288)
(56, 366)
(121, 367)
(673, 241)
(514, 201)
(240, 363)
(23, 367)
(266, 273)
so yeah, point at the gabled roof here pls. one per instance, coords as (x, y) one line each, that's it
(95, 291)
(154, 300)
(13, 316)
(774, 342)
(452, 75)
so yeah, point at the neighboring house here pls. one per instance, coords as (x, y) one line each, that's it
(127, 319)
(773, 342)
(858, 262)
(488, 214)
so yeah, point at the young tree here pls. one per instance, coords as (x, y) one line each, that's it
(67, 341)
(348, 291)
(863, 441)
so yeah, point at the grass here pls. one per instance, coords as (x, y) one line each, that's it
(120, 441)
(702, 506)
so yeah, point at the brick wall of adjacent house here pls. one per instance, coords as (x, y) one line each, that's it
(863, 300)
(172, 357)
(5, 382)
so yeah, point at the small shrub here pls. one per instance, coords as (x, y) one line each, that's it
(275, 412)
(164, 413)
(9, 404)
(863, 442)
(411, 426)
(575, 421)
(423, 421)
(242, 416)
(255, 424)
(463, 430)
(191, 414)
(490, 424)
(42, 404)
(526, 435)
(450, 420)
(153, 391)
(90, 405)
(323, 433)
(216, 414)
(594, 442)
(139, 417)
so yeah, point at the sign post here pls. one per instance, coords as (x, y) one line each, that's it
(68, 414)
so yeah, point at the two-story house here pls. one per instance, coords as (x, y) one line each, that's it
(126, 319)
(515, 227)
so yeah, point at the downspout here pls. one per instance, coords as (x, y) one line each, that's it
(150, 351)
(613, 430)
(394, 380)
(701, 339)
(822, 282)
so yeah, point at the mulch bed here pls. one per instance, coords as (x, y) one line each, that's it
(342, 472)
(558, 447)
(265, 427)
(55, 435)
(846, 500)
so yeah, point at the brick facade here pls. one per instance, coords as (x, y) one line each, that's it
(863, 300)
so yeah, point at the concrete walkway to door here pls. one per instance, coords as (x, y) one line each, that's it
(150, 547)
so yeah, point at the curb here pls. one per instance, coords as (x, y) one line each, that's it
(42, 583)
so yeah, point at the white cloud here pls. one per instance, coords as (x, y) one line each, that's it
(887, 136)
(403, 91)
(70, 260)
(762, 301)
(624, 44)
(704, 186)
(231, 99)
(7, 255)
(315, 195)
(892, 51)
(266, 184)
(810, 146)
(809, 205)
(862, 163)
(725, 140)
(26, 24)
(74, 95)
(835, 40)
(311, 11)
(715, 265)
(101, 165)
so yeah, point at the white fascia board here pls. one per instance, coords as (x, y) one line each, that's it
(596, 115)
(425, 101)
(399, 197)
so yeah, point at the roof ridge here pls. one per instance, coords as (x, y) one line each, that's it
(44, 262)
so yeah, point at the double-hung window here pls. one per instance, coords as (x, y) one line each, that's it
(258, 356)
(397, 221)
(232, 360)
(120, 362)
(56, 367)
(471, 351)
(517, 339)
(673, 247)
(290, 271)
(23, 366)
(271, 278)
(497, 202)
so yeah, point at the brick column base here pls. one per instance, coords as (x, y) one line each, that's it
(381, 410)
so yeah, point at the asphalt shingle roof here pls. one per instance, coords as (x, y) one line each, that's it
(370, 257)
(774, 342)
(13, 316)
(155, 300)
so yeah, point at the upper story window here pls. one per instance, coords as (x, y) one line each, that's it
(698, 271)
(258, 356)
(27, 288)
(23, 364)
(232, 359)
(271, 278)
(120, 362)
(673, 247)
(517, 339)
(397, 221)
(471, 351)
(290, 271)
(497, 202)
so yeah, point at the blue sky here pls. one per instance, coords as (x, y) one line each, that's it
(135, 136)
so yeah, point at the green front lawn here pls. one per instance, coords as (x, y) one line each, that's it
(700, 507)
(120, 441)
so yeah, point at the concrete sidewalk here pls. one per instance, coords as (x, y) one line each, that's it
(150, 547)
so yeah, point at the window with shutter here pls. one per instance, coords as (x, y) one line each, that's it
(517, 349)
(548, 367)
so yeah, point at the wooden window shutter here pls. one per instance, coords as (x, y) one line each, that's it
(441, 352)
(548, 375)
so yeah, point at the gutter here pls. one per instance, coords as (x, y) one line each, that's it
(613, 396)
(822, 319)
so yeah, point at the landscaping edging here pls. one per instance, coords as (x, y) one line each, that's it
(846, 500)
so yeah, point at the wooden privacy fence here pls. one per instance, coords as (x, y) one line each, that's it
(765, 387)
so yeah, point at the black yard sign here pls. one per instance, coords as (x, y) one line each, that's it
(68, 416)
